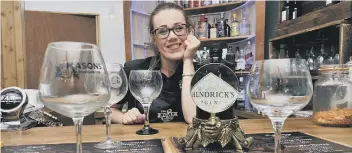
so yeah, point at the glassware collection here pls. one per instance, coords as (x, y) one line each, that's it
(315, 55)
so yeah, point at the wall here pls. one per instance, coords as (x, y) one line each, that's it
(112, 41)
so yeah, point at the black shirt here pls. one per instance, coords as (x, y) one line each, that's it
(167, 107)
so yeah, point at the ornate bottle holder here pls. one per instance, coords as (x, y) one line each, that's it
(214, 89)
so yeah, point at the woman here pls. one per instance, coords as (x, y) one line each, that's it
(175, 46)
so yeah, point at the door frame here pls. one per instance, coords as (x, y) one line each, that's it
(13, 49)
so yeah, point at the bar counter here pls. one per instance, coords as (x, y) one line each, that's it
(96, 133)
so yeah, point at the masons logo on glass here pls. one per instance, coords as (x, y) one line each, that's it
(212, 94)
(67, 70)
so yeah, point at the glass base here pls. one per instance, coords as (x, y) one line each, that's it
(147, 130)
(107, 144)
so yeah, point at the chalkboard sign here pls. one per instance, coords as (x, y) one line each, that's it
(137, 146)
(293, 142)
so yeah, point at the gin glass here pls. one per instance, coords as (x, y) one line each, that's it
(278, 88)
(145, 86)
(119, 87)
(74, 82)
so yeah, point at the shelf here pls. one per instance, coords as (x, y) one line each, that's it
(213, 8)
(223, 40)
(322, 18)
(248, 115)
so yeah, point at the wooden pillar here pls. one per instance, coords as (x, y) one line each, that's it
(127, 29)
(260, 30)
(345, 42)
(12, 49)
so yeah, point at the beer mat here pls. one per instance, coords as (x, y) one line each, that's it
(292, 142)
(135, 146)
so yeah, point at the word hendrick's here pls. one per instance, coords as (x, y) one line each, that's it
(214, 94)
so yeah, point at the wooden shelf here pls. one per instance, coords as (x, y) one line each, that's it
(214, 8)
(322, 18)
(222, 40)
(242, 72)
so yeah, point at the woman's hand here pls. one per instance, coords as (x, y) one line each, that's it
(192, 45)
(133, 116)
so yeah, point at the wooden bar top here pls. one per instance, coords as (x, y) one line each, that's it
(96, 133)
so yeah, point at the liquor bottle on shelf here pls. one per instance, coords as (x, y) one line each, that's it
(196, 3)
(241, 100)
(285, 12)
(185, 4)
(249, 56)
(221, 25)
(244, 24)
(237, 57)
(215, 1)
(295, 10)
(207, 2)
(215, 55)
(235, 29)
(328, 2)
(208, 27)
(227, 28)
(203, 28)
(213, 31)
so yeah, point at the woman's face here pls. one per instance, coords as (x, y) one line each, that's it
(172, 46)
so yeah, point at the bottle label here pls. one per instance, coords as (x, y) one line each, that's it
(294, 14)
(283, 15)
(213, 97)
(213, 33)
(234, 29)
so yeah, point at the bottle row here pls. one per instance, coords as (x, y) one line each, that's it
(293, 8)
(215, 26)
(238, 59)
(196, 3)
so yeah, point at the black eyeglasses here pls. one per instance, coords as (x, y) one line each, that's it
(164, 32)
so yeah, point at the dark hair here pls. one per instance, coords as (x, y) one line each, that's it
(166, 6)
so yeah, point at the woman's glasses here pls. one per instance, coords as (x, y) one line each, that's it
(164, 32)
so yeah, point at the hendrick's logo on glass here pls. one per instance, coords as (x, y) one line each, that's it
(12, 99)
(214, 88)
(67, 70)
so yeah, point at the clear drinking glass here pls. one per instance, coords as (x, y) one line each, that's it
(74, 82)
(119, 87)
(145, 86)
(278, 88)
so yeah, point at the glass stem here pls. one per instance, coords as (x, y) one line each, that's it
(78, 125)
(107, 113)
(277, 124)
(146, 113)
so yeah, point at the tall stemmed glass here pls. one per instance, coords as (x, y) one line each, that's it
(74, 82)
(119, 87)
(145, 86)
(279, 88)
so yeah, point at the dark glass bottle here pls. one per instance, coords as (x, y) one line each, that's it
(295, 10)
(285, 12)
(215, 55)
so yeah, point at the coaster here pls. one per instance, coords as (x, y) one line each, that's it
(135, 146)
(292, 142)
